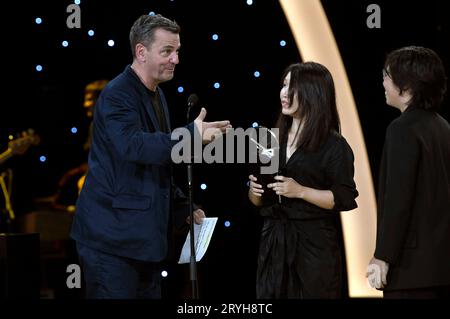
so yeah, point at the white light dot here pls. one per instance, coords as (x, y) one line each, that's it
(249, 2)
(203, 186)
(180, 89)
(215, 37)
(111, 43)
(255, 124)
(65, 43)
(39, 68)
(282, 43)
(164, 273)
(91, 33)
(217, 85)
(227, 224)
(256, 74)
(248, 183)
(151, 13)
(42, 158)
(77, 2)
(38, 20)
(74, 130)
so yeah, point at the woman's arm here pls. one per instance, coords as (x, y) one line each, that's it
(255, 191)
(288, 187)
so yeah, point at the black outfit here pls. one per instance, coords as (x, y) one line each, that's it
(300, 252)
(413, 233)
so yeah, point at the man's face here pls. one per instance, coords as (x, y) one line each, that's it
(162, 56)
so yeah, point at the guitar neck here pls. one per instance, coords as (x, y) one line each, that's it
(5, 155)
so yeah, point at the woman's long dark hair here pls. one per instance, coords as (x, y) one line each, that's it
(313, 86)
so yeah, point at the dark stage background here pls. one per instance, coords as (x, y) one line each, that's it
(249, 38)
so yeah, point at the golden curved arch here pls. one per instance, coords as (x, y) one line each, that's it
(315, 41)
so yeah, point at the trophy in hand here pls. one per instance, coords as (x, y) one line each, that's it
(266, 146)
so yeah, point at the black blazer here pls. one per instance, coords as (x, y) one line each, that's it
(413, 233)
(123, 208)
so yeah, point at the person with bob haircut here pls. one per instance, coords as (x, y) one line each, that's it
(412, 255)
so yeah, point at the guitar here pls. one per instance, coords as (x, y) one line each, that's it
(20, 145)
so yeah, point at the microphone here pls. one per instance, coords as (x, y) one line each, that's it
(192, 101)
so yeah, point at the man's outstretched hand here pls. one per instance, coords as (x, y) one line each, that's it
(210, 130)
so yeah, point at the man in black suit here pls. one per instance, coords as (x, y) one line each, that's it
(123, 211)
(412, 255)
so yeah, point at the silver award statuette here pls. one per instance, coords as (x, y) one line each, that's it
(267, 146)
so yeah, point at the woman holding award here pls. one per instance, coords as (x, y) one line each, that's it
(300, 254)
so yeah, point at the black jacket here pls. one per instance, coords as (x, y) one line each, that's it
(124, 206)
(413, 233)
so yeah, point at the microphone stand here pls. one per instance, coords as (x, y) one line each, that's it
(193, 261)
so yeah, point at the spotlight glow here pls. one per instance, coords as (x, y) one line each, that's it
(249, 2)
(256, 74)
(164, 273)
(74, 130)
(203, 186)
(217, 85)
(38, 20)
(65, 43)
(91, 33)
(180, 89)
(39, 68)
(227, 224)
(255, 124)
(282, 43)
(151, 13)
(77, 2)
(42, 158)
(111, 43)
(215, 37)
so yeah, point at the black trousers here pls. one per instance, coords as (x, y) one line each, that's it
(438, 292)
(114, 277)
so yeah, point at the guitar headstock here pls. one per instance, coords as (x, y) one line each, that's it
(20, 144)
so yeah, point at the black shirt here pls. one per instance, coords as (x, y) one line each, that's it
(328, 168)
(154, 97)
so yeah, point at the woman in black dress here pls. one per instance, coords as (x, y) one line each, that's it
(300, 254)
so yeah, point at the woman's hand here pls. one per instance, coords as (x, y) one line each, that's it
(255, 188)
(287, 187)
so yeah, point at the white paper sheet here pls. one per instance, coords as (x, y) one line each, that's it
(202, 237)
